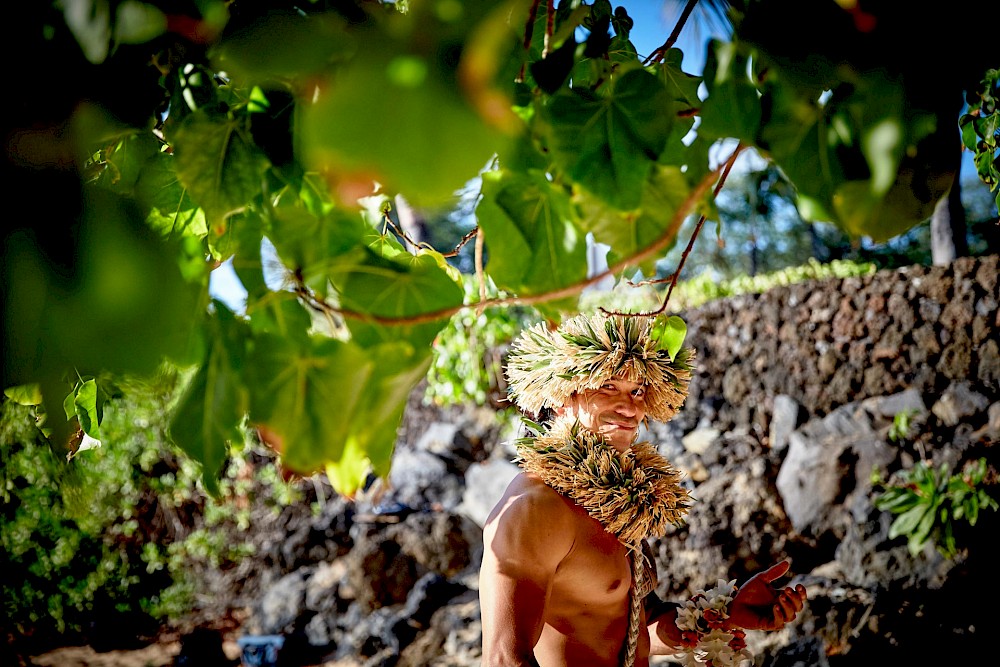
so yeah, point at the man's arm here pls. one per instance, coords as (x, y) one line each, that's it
(757, 606)
(525, 538)
(664, 637)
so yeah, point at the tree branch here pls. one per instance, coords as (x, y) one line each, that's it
(657, 55)
(649, 251)
(694, 235)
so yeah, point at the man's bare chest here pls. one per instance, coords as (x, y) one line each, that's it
(596, 571)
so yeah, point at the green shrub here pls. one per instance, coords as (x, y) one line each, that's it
(929, 501)
(115, 537)
(467, 366)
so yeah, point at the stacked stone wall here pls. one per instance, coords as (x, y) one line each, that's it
(832, 342)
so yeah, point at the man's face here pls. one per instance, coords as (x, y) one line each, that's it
(614, 410)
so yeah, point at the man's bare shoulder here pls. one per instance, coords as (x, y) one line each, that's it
(527, 497)
(531, 525)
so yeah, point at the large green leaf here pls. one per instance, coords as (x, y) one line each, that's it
(533, 243)
(732, 109)
(103, 316)
(284, 45)
(801, 137)
(125, 160)
(859, 160)
(628, 233)
(306, 394)
(609, 143)
(383, 399)
(681, 86)
(170, 206)
(210, 412)
(394, 284)
(397, 114)
(218, 164)
(315, 246)
(282, 314)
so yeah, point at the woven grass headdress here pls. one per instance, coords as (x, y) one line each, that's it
(545, 367)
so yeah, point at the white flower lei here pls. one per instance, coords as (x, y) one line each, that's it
(704, 640)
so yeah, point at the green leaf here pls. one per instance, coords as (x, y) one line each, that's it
(306, 394)
(371, 122)
(171, 209)
(218, 164)
(897, 500)
(281, 314)
(397, 285)
(116, 263)
(384, 397)
(284, 45)
(609, 143)
(907, 522)
(533, 244)
(125, 162)
(85, 403)
(732, 108)
(69, 405)
(315, 246)
(25, 394)
(630, 232)
(348, 473)
(669, 334)
(680, 85)
(210, 413)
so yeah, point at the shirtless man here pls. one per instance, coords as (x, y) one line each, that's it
(559, 569)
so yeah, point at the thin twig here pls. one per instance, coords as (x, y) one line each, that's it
(657, 55)
(465, 239)
(529, 28)
(550, 22)
(423, 244)
(480, 274)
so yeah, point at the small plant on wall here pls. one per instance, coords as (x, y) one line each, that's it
(930, 501)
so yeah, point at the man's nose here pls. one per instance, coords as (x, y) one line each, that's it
(626, 405)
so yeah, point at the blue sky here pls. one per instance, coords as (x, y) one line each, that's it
(653, 22)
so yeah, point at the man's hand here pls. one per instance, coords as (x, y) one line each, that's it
(760, 606)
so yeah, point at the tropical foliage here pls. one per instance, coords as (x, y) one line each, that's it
(178, 136)
(930, 502)
(109, 550)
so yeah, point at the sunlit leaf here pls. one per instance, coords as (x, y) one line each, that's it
(218, 164)
(397, 287)
(314, 247)
(211, 410)
(534, 245)
(171, 209)
(25, 394)
(669, 334)
(628, 233)
(306, 394)
(85, 404)
(608, 144)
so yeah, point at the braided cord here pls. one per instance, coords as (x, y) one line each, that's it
(636, 595)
